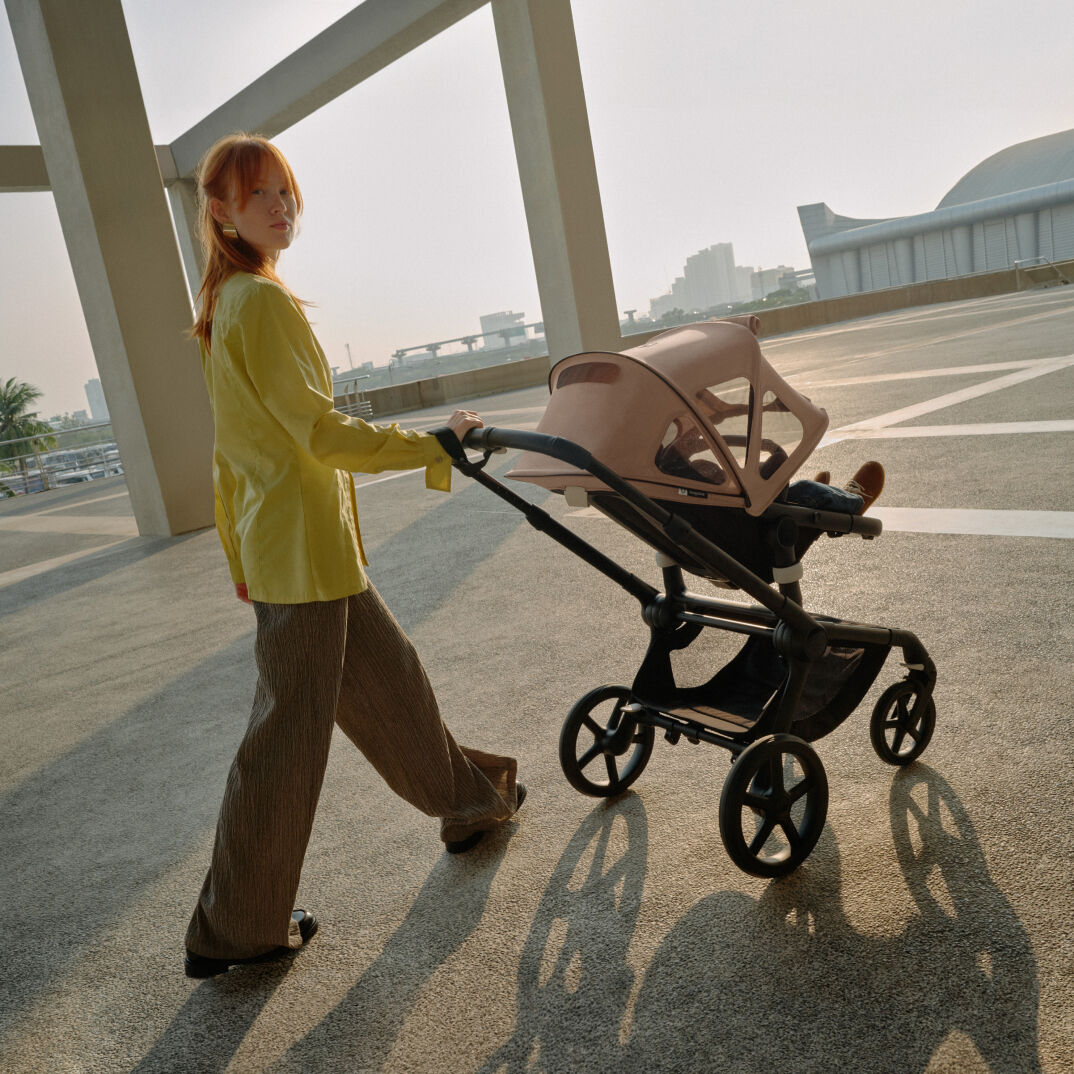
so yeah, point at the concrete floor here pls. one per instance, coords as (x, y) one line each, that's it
(930, 930)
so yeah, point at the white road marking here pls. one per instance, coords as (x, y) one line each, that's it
(996, 428)
(20, 574)
(921, 374)
(982, 523)
(1058, 524)
(940, 402)
(99, 525)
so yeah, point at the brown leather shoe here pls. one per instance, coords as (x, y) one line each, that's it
(867, 483)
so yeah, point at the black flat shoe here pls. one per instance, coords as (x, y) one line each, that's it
(200, 966)
(461, 846)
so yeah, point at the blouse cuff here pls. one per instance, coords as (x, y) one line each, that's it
(437, 465)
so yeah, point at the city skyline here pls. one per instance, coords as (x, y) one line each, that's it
(698, 137)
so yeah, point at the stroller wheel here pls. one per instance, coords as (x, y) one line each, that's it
(773, 805)
(602, 751)
(902, 723)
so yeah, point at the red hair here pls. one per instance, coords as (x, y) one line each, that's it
(230, 170)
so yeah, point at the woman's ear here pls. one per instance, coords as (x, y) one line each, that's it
(219, 212)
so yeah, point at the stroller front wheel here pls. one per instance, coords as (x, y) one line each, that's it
(902, 723)
(601, 755)
(773, 805)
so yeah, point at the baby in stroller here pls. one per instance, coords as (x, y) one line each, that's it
(728, 431)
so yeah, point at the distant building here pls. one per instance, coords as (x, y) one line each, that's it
(1017, 205)
(764, 281)
(503, 329)
(710, 278)
(95, 396)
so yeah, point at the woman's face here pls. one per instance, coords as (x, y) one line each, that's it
(267, 220)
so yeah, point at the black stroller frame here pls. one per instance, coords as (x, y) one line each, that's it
(798, 676)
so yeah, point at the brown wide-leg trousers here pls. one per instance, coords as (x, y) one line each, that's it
(344, 661)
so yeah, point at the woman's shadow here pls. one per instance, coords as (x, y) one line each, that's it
(360, 1032)
(784, 981)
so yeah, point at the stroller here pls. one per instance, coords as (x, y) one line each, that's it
(689, 441)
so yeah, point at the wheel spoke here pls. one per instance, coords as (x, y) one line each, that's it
(590, 754)
(794, 836)
(777, 773)
(593, 726)
(762, 835)
(800, 789)
(613, 773)
(759, 802)
(897, 741)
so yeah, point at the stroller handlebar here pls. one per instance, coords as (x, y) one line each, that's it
(490, 438)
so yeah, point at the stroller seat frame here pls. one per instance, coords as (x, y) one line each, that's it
(798, 676)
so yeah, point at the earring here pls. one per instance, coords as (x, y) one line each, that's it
(230, 231)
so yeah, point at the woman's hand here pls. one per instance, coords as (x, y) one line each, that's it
(462, 421)
(241, 593)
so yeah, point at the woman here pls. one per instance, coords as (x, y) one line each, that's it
(327, 648)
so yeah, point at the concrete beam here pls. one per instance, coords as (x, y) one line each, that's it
(546, 101)
(106, 178)
(22, 169)
(363, 42)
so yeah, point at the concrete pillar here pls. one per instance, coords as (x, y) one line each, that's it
(546, 101)
(183, 195)
(87, 104)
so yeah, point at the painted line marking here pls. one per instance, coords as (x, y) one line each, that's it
(79, 503)
(1055, 524)
(908, 413)
(98, 525)
(982, 523)
(999, 428)
(20, 574)
(946, 371)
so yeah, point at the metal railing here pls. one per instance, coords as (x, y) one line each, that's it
(1052, 272)
(353, 402)
(53, 460)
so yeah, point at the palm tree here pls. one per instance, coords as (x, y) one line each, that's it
(17, 421)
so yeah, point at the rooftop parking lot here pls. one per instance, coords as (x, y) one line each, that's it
(928, 931)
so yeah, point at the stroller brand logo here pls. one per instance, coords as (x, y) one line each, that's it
(696, 493)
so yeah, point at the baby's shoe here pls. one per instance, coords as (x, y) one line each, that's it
(867, 483)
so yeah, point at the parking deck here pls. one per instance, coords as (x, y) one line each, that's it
(928, 931)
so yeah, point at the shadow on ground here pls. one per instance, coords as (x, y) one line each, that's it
(783, 981)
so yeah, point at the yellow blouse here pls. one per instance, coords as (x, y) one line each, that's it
(285, 504)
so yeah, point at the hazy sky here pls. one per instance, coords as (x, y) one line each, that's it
(711, 123)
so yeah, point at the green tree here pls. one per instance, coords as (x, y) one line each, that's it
(17, 421)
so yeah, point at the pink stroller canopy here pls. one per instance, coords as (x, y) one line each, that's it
(696, 412)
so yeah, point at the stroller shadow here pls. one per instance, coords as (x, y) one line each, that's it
(784, 981)
(574, 981)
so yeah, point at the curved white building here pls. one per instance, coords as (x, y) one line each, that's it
(1017, 205)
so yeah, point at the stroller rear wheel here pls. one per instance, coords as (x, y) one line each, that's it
(902, 723)
(773, 805)
(598, 736)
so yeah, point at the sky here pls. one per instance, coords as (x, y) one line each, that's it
(711, 122)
